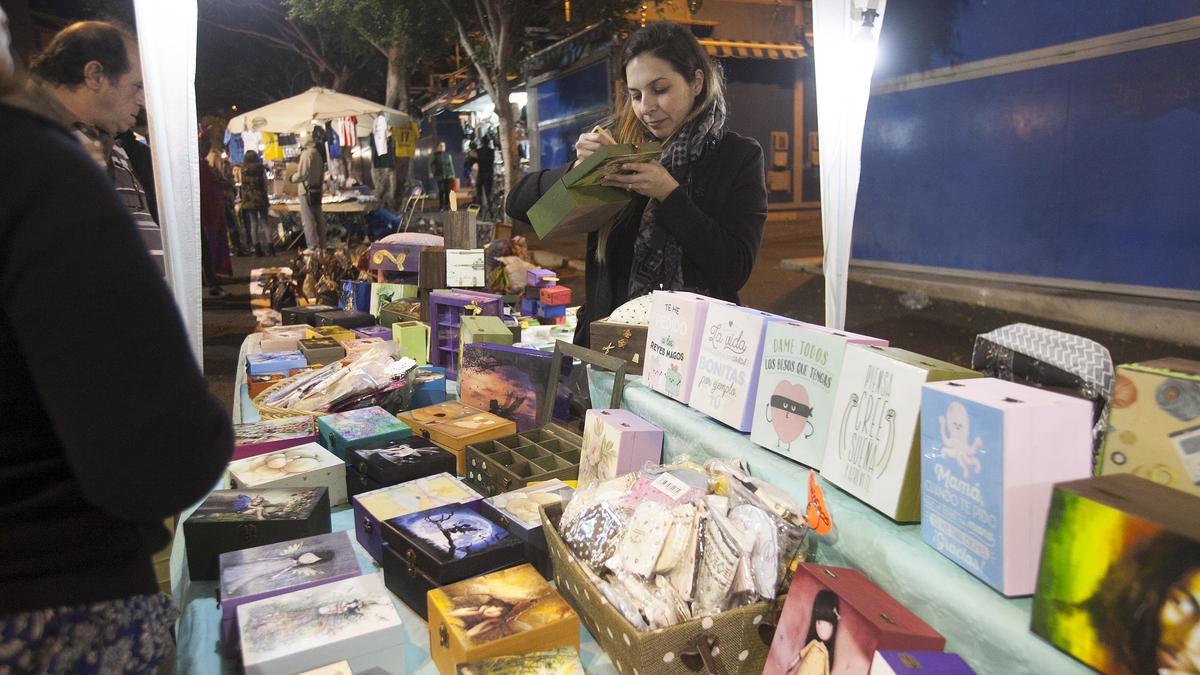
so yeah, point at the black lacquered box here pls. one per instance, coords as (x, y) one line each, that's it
(231, 520)
(345, 319)
(399, 461)
(308, 315)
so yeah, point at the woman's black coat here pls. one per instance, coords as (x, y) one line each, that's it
(718, 220)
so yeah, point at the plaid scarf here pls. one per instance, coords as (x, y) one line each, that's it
(657, 255)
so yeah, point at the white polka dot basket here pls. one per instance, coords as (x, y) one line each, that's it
(731, 641)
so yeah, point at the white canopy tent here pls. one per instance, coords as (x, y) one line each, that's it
(296, 114)
(845, 37)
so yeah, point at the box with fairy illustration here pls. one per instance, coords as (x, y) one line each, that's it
(373, 509)
(552, 449)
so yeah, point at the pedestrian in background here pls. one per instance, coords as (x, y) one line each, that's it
(255, 203)
(311, 177)
(442, 166)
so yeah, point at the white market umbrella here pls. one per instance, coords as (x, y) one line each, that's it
(296, 114)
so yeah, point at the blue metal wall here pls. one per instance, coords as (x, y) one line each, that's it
(1084, 171)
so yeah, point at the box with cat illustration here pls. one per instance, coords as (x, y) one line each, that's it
(991, 452)
(400, 461)
(1154, 426)
(510, 612)
(299, 466)
(616, 442)
(259, 438)
(834, 620)
(517, 512)
(342, 432)
(274, 569)
(874, 445)
(230, 520)
(303, 315)
(727, 366)
(793, 408)
(372, 509)
(443, 545)
(352, 620)
(673, 341)
(1119, 580)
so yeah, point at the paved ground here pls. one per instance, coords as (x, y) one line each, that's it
(944, 330)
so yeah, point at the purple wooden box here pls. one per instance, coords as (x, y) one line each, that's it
(906, 662)
(616, 442)
(446, 309)
(381, 332)
(395, 257)
(264, 571)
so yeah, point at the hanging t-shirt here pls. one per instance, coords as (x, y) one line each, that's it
(252, 140)
(334, 141)
(381, 135)
(385, 159)
(347, 130)
(236, 150)
(272, 151)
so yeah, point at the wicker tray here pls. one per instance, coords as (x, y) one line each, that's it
(270, 412)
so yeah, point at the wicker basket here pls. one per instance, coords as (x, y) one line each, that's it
(731, 639)
(270, 412)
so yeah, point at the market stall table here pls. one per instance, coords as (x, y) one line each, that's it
(198, 631)
(989, 631)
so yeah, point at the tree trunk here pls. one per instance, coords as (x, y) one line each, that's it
(508, 134)
(396, 96)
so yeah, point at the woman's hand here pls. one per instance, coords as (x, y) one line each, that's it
(590, 142)
(646, 178)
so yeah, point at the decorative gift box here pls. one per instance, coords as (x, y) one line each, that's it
(793, 409)
(464, 267)
(511, 382)
(322, 351)
(452, 426)
(265, 571)
(355, 297)
(727, 366)
(342, 432)
(356, 348)
(616, 442)
(673, 341)
(336, 333)
(1051, 359)
(1154, 429)
(303, 315)
(394, 257)
(352, 620)
(274, 362)
(371, 509)
(396, 462)
(624, 341)
(446, 310)
(258, 438)
(561, 661)
(346, 318)
(440, 546)
(381, 332)
(540, 278)
(834, 620)
(307, 465)
(555, 295)
(577, 202)
(383, 295)
(257, 384)
(991, 452)
(906, 662)
(517, 512)
(1120, 574)
(400, 310)
(429, 386)
(510, 612)
(358, 483)
(551, 311)
(229, 520)
(873, 451)
(282, 338)
(413, 339)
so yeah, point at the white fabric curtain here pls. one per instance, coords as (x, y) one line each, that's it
(167, 41)
(844, 58)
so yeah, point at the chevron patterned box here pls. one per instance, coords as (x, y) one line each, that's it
(991, 452)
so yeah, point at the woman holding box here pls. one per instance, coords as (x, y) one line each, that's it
(696, 218)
